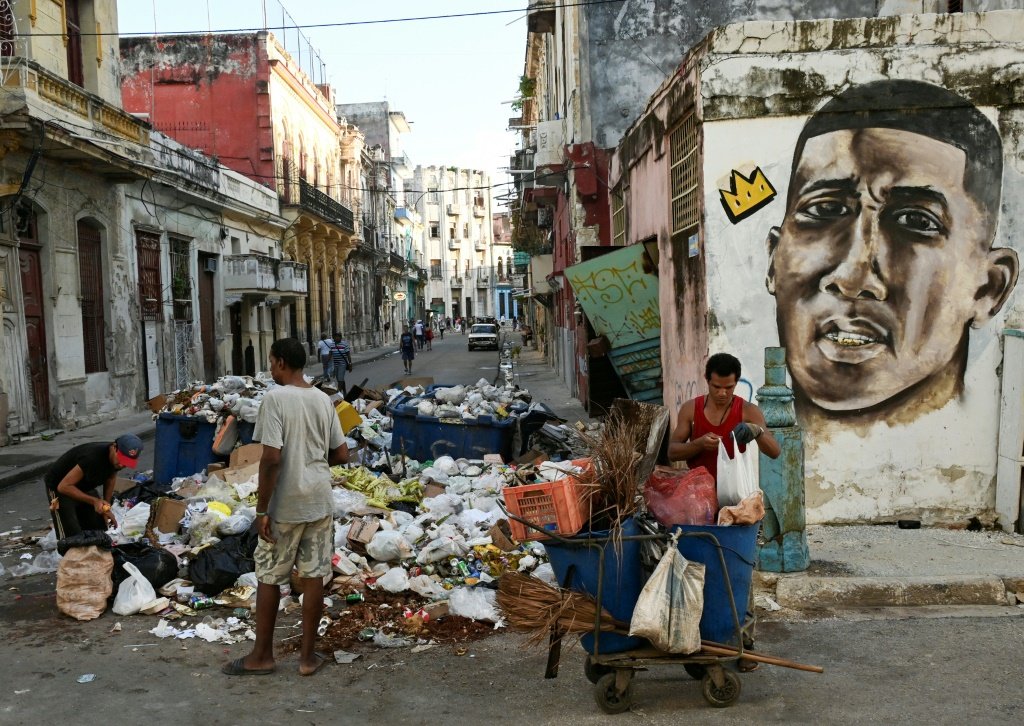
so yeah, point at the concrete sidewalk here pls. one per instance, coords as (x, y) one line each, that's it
(861, 567)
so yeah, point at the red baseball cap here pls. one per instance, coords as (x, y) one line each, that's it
(129, 446)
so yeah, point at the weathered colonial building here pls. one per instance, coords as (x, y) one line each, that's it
(242, 99)
(68, 341)
(456, 209)
(851, 190)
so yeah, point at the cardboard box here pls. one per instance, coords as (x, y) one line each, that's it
(501, 536)
(432, 489)
(363, 529)
(123, 484)
(371, 405)
(167, 513)
(436, 609)
(216, 466)
(157, 403)
(239, 475)
(533, 456)
(245, 455)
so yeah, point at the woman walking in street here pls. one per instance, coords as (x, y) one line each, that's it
(429, 337)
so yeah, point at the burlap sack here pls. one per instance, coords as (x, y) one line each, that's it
(84, 582)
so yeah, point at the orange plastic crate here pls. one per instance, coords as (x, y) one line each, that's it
(558, 507)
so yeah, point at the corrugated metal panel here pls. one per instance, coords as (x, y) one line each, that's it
(619, 293)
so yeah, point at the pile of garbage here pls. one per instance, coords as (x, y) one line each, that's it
(239, 396)
(416, 556)
(468, 402)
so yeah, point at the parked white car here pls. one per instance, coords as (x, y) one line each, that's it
(483, 335)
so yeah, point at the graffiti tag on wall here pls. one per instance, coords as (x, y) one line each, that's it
(746, 194)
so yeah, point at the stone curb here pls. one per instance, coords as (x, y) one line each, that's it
(810, 593)
(31, 471)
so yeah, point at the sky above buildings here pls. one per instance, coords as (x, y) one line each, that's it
(452, 76)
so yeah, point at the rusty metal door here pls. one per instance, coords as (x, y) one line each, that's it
(35, 329)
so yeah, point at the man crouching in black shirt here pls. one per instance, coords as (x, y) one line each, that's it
(72, 484)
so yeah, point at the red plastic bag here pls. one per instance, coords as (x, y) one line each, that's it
(682, 496)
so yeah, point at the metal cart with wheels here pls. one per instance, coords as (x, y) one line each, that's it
(612, 672)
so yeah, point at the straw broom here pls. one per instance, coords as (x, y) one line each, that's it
(531, 605)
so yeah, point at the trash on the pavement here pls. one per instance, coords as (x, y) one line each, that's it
(134, 593)
(342, 657)
(84, 583)
(87, 678)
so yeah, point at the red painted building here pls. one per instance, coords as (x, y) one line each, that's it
(240, 98)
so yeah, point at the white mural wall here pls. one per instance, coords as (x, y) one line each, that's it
(878, 240)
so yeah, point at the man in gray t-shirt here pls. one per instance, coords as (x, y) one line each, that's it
(301, 438)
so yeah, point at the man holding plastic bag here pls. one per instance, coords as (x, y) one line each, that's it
(709, 423)
(301, 439)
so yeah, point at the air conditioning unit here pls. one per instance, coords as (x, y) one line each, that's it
(210, 264)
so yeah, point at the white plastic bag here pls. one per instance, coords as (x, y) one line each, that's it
(134, 592)
(476, 603)
(668, 610)
(442, 548)
(389, 546)
(394, 580)
(135, 519)
(737, 477)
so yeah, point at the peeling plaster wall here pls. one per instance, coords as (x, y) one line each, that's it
(63, 195)
(759, 84)
(204, 92)
(635, 44)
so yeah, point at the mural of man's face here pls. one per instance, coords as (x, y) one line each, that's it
(882, 263)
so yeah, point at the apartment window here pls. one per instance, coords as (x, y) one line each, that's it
(618, 217)
(683, 176)
(435, 269)
(435, 230)
(432, 196)
(74, 42)
(181, 279)
(451, 233)
(90, 276)
(147, 246)
(465, 231)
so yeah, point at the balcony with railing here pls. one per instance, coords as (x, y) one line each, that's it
(453, 210)
(310, 199)
(421, 275)
(479, 210)
(292, 277)
(456, 281)
(480, 246)
(396, 262)
(249, 273)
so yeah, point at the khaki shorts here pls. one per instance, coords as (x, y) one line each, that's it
(305, 546)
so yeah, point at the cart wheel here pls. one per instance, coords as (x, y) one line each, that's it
(594, 671)
(724, 696)
(695, 670)
(608, 699)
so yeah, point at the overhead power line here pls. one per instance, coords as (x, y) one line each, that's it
(339, 24)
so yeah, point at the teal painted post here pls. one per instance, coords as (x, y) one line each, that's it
(782, 479)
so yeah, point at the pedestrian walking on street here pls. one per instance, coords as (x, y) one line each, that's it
(428, 336)
(418, 332)
(302, 439)
(341, 354)
(440, 329)
(73, 484)
(323, 349)
(407, 348)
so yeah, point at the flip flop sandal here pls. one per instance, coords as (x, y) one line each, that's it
(237, 668)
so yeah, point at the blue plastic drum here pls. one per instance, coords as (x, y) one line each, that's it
(739, 545)
(623, 580)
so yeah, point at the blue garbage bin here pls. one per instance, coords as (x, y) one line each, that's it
(739, 545)
(623, 580)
